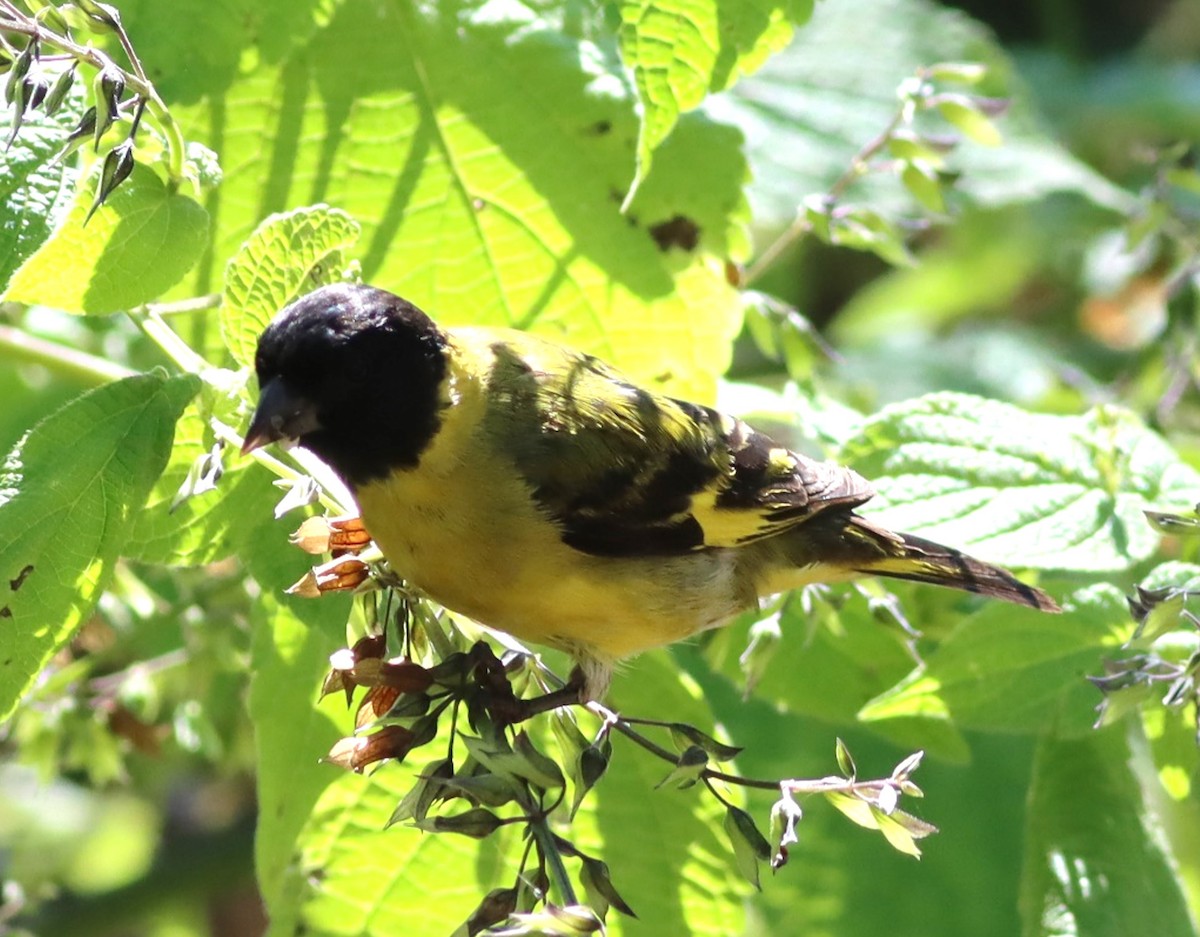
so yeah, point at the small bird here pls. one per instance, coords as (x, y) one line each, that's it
(536, 490)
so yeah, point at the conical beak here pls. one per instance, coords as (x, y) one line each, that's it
(281, 414)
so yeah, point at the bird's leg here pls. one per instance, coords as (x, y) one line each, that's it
(569, 694)
(503, 705)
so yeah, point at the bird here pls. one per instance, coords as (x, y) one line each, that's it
(536, 490)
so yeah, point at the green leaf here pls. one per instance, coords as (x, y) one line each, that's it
(206, 527)
(476, 823)
(234, 32)
(677, 873)
(538, 769)
(749, 845)
(1025, 489)
(34, 194)
(958, 110)
(361, 879)
(813, 106)
(287, 254)
(1014, 669)
(922, 180)
(456, 138)
(845, 760)
(292, 641)
(597, 882)
(868, 230)
(1172, 736)
(684, 735)
(681, 51)
(1095, 864)
(903, 830)
(142, 242)
(847, 658)
(68, 495)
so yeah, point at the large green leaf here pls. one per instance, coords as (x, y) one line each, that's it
(1014, 669)
(293, 639)
(34, 193)
(485, 154)
(209, 525)
(133, 249)
(1026, 489)
(677, 871)
(286, 252)
(68, 495)
(365, 880)
(1095, 864)
(682, 50)
(831, 658)
(193, 48)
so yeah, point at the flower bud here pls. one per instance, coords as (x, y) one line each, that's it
(118, 164)
(58, 93)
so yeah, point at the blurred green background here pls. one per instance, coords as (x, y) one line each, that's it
(133, 813)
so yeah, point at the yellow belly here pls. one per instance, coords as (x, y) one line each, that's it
(485, 552)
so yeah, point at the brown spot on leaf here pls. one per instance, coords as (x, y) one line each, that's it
(600, 128)
(677, 232)
(16, 584)
(6, 612)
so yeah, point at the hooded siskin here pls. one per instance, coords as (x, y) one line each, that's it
(536, 490)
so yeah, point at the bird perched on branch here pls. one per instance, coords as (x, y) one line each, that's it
(536, 490)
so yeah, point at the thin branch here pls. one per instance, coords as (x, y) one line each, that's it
(69, 362)
(196, 304)
(827, 785)
(859, 166)
(623, 726)
(553, 858)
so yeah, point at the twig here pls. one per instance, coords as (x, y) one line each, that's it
(70, 362)
(800, 226)
(623, 726)
(196, 304)
(549, 851)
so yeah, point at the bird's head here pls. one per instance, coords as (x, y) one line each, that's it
(352, 373)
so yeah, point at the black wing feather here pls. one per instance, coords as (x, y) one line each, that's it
(624, 472)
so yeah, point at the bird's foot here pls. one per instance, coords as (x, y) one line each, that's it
(504, 706)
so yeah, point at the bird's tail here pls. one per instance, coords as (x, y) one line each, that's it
(907, 557)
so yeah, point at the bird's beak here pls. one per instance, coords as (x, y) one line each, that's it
(281, 415)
